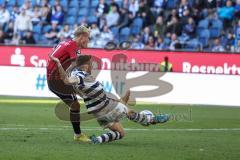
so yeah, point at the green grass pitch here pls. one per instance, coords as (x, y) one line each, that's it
(29, 130)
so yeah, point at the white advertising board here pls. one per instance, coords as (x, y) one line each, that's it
(187, 88)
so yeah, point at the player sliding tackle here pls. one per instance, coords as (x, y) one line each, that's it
(107, 111)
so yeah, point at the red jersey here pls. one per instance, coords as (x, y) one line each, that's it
(65, 51)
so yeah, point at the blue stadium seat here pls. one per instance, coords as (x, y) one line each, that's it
(64, 3)
(136, 26)
(11, 2)
(92, 11)
(205, 33)
(74, 3)
(83, 12)
(42, 39)
(119, 3)
(21, 2)
(70, 20)
(80, 19)
(191, 3)
(37, 29)
(60, 27)
(94, 3)
(202, 25)
(171, 4)
(92, 19)
(124, 34)
(216, 28)
(167, 41)
(46, 28)
(36, 37)
(215, 32)
(2, 2)
(115, 32)
(72, 12)
(192, 45)
(108, 1)
(10, 8)
(84, 3)
(217, 23)
(51, 2)
(204, 37)
(33, 2)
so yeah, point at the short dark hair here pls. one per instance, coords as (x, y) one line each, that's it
(83, 59)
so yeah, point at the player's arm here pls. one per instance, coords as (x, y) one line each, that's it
(71, 67)
(63, 74)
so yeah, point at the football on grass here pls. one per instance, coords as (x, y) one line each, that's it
(148, 113)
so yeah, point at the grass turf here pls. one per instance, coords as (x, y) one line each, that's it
(31, 130)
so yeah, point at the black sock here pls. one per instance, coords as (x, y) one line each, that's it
(75, 120)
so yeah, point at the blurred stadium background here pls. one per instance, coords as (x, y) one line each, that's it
(196, 42)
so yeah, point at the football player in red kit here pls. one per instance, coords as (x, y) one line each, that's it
(67, 52)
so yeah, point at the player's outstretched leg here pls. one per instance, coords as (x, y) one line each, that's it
(139, 118)
(75, 120)
(146, 120)
(117, 132)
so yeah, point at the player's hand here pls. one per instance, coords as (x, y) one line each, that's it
(126, 97)
(56, 60)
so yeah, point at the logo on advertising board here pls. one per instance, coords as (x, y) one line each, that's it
(210, 69)
(17, 58)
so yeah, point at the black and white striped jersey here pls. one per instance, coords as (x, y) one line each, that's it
(90, 90)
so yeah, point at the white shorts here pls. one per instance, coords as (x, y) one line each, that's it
(111, 114)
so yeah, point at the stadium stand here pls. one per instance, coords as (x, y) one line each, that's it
(196, 23)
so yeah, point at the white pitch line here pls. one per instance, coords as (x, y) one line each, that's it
(66, 127)
(29, 101)
(127, 129)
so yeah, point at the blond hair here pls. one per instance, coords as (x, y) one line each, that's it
(80, 30)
